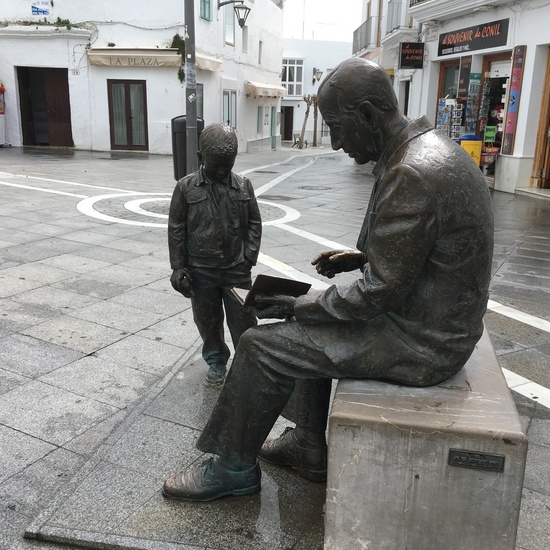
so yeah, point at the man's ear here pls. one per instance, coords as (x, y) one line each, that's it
(366, 108)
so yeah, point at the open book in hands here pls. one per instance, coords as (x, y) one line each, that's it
(267, 284)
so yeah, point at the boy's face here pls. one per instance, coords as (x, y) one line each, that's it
(218, 167)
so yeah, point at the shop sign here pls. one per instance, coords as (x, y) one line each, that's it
(159, 58)
(411, 55)
(479, 37)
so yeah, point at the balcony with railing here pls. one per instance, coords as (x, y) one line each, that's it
(365, 37)
(398, 25)
(441, 10)
(394, 15)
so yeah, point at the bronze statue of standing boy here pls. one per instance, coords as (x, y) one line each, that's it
(214, 233)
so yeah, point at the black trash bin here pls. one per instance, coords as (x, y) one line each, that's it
(179, 144)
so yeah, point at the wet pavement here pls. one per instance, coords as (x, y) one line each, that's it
(100, 371)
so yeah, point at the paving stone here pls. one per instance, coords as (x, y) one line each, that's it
(87, 284)
(29, 491)
(178, 330)
(10, 380)
(142, 354)
(10, 286)
(107, 496)
(533, 521)
(104, 381)
(164, 303)
(17, 450)
(76, 334)
(31, 357)
(55, 298)
(529, 363)
(74, 263)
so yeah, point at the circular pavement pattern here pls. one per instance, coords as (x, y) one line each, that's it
(151, 209)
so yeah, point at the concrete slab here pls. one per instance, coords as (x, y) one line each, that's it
(76, 334)
(31, 357)
(101, 380)
(18, 449)
(52, 414)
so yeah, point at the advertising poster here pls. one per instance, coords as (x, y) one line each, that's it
(518, 61)
(40, 7)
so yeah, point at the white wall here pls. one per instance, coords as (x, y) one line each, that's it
(130, 24)
(322, 55)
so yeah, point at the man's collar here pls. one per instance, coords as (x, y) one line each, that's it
(413, 129)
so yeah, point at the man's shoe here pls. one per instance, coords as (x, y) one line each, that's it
(215, 375)
(212, 480)
(285, 451)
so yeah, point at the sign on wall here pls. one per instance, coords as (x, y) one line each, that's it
(478, 37)
(411, 55)
(518, 61)
(40, 7)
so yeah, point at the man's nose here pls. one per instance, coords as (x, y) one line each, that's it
(335, 142)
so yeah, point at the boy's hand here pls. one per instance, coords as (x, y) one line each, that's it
(182, 282)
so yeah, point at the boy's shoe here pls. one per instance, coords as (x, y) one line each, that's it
(212, 479)
(215, 375)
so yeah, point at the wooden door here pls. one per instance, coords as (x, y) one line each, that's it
(58, 107)
(540, 176)
(45, 106)
(128, 114)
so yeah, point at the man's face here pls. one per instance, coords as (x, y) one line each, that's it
(348, 131)
(218, 167)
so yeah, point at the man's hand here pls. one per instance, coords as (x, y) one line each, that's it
(336, 261)
(274, 307)
(182, 282)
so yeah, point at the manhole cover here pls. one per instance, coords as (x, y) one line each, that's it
(315, 188)
(264, 172)
(276, 198)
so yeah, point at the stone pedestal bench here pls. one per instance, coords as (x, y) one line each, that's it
(438, 468)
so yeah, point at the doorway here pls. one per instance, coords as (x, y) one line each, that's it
(128, 115)
(287, 123)
(541, 166)
(45, 106)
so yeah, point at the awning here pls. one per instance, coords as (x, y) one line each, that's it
(139, 57)
(259, 89)
(207, 62)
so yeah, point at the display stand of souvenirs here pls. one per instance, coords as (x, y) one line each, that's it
(449, 118)
(491, 114)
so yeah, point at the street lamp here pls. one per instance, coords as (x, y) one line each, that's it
(241, 11)
(317, 74)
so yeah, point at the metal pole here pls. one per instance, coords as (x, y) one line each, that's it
(190, 89)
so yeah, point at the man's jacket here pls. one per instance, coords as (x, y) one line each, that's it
(428, 236)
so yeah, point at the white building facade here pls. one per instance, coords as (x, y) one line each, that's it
(485, 72)
(107, 75)
(305, 64)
